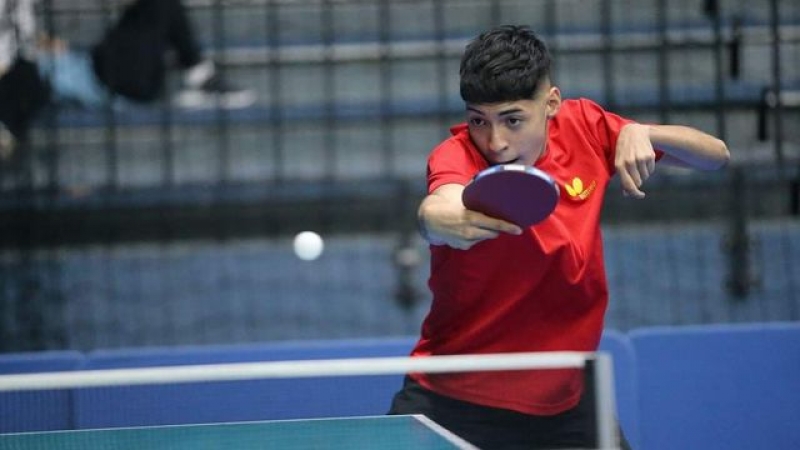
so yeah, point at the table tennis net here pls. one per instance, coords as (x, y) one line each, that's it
(301, 404)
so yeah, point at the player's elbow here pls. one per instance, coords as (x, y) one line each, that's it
(422, 222)
(422, 228)
(715, 156)
(722, 155)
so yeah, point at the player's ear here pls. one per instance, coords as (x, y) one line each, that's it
(552, 101)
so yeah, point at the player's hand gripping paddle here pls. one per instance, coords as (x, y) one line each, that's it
(516, 193)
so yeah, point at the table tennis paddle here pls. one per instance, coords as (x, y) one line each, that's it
(516, 193)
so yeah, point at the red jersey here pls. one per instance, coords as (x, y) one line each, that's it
(544, 290)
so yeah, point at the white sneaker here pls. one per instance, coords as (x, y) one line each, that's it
(214, 92)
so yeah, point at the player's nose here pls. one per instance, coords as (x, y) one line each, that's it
(496, 142)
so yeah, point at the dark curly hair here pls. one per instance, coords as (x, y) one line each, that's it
(507, 63)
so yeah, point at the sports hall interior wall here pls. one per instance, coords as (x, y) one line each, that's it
(158, 226)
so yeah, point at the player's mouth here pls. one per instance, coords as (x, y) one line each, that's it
(499, 163)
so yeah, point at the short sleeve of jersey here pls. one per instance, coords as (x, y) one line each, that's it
(456, 160)
(605, 127)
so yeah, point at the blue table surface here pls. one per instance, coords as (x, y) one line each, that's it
(353, 433)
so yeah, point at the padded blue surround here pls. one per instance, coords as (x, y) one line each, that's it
(239, 400)
(282, 398)
(710, 387)
(618, 345)
(37, 410)
(719, 387)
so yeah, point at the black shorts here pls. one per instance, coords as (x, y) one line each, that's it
(494, 428)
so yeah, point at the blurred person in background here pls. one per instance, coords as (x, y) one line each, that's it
(129, 64)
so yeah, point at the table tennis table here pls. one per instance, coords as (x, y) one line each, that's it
(352, 433)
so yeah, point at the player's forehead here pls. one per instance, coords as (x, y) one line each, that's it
(519, 106)
(501, 109)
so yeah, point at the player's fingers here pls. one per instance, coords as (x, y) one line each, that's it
(625, 178)
(485, 222)
(632, 169)
(505, 227)
(629, 186)
(644, 171)
(472, 237)
(633, 193)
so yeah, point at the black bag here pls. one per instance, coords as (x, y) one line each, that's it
(129, 60)
(23, 93)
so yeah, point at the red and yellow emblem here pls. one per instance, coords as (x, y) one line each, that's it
(576, 189)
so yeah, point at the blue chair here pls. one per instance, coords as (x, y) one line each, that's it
(239, 400)
(42, 410)
(626, 388)
(719, 387)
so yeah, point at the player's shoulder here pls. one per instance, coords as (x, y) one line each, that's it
(579, 115)
(579, 106)
(456, 153)
(458, 141)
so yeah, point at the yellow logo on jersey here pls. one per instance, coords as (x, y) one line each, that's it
(577, 191)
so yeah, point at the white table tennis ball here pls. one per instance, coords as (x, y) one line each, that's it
(308, 245)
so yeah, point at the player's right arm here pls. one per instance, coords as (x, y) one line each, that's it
(443, 220)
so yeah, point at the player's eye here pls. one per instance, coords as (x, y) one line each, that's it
(513, 121)
(476, 121)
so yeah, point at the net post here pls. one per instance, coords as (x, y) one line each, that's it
(600, 375)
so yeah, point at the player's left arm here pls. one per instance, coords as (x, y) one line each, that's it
(682, 146)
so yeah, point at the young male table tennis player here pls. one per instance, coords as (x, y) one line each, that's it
(499, 288)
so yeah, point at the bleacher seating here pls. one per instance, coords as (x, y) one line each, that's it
(370, 70)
